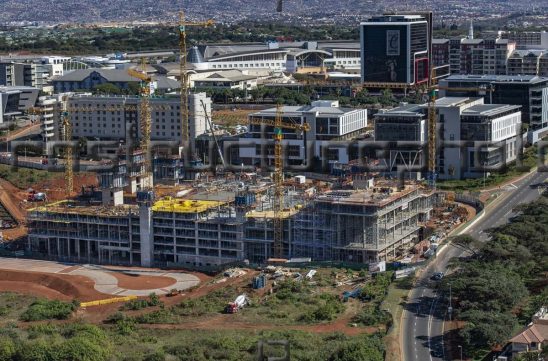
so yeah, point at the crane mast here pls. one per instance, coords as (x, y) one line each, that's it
(145, 118)
(278, 200)
(67, 137)
(278, 183)
(432, 175)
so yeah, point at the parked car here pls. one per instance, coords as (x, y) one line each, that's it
(436, 276)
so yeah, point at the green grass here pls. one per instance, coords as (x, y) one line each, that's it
(529, 161)
(24, 178)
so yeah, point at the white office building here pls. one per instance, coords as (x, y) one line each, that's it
(327, 121)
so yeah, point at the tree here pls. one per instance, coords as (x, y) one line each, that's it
(486, 328)
(107, 88)
(466, 242)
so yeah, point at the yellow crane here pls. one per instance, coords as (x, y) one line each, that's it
(145, 116)
(67, 137)
(182, 69)
(278, 175)
(432, 131)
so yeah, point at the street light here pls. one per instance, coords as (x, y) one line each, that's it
(460, 348)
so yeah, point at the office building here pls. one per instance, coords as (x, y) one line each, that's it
(327, 122)
(408, 127)
(23, 74)
(88, 79)
(395, 49)
(15, 101)
(461, 122)
(529, 92)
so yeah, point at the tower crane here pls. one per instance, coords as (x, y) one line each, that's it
(67, 137)
(182, 69)
(145, 117)
(278, 175)
(432, 131)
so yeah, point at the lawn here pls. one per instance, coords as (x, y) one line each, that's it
(529, 161)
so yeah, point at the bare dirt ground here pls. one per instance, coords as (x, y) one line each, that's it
(50, 285)
(141, 282)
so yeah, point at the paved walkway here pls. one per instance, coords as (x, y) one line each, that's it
(104, 279)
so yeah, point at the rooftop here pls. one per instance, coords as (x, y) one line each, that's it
(533, 79)
(291, 110)
(489, 109)
(408, 110)
(383, 193)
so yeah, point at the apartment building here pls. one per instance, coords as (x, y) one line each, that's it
(475, 56)
(527, 39)
(528, 62)
(327, 121)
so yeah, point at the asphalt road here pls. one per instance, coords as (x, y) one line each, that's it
(422, 324)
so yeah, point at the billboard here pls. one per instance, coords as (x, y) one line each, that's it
(384, 53)
(377, 267)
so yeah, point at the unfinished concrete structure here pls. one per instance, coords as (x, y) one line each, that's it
(212, 225)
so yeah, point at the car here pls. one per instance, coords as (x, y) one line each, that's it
(436, 276)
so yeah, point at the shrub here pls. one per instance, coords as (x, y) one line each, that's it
(159, 316)
(47, 310)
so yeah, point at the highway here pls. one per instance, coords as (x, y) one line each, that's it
(422, 324)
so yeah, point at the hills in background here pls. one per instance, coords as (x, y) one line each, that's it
(303, 11)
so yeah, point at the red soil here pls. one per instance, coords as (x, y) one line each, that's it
(50, 285)
(141, 282)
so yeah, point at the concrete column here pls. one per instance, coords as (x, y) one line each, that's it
(145, 225)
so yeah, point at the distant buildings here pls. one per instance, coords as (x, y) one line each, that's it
(527, 39)
(228, 79)
(88, 79)
(23, 74)
(395, 49)
(294, 57)
(16, 100)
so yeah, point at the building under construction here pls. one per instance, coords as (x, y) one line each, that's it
(224, 222)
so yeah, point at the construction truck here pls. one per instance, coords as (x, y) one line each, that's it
(239, 303)
(34, 196)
